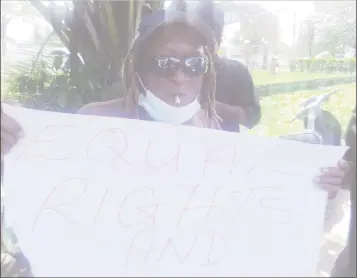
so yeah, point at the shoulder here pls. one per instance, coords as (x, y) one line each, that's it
(232, 76)
(232, 66)
(201, 119)
(111, 108)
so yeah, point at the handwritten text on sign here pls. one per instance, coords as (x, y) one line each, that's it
(92, 196)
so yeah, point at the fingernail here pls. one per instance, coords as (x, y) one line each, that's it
(317, 179)
(324, 170)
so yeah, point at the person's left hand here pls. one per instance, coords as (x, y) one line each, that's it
(11, 132)
(331, 179)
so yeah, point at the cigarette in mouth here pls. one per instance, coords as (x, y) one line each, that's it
(177, 100)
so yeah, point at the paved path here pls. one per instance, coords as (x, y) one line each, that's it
(336, 230)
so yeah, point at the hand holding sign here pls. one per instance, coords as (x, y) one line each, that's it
(11, 131)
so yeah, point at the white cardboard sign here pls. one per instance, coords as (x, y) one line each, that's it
(95, 196)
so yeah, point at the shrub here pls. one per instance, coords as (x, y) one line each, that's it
(41, 84)
(47, 84)
(326, 65)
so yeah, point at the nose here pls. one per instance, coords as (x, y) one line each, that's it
(179, 77)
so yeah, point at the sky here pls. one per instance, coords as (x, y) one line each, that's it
(284, 10)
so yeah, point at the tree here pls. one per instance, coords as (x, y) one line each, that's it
(9, 11)
(331, 28)
(259, 29)
(338, 29)
(256, 23)
(97, 35)
(311, 31)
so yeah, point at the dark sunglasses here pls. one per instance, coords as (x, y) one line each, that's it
(190, 66)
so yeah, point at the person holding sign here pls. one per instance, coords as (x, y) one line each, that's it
(13, 261)
(168, 75)
(346, 262)
(11, 131)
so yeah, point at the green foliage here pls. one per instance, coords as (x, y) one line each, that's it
(96, 35)
(257, 25)
(331, 28)
(339, 24)
(261, 77)
(327, 65)
(280, 109)
(47, 84)
(308, 85)
(43, 85)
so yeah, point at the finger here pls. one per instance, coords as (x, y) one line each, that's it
(5, 148)
(8, 140)
(10, 123)
(11, 126)
(8, 137)
(344, 165)
(333, 171)
(330, 188)
(336, 181)
(15, 130)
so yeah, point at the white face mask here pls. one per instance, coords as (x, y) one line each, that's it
(160, 111)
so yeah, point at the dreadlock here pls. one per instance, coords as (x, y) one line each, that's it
(131, 89)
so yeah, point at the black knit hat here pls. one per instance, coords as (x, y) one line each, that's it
(212, 15)
(149, 24)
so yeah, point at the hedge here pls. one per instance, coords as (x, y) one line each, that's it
(314, 84)
(326, 65)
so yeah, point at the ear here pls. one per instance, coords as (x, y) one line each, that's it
(145, 10)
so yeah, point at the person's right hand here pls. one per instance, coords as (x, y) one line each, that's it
(11, 132)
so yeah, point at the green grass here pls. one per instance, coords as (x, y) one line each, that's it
(279, 110)
(3, 89)
(264, 77)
